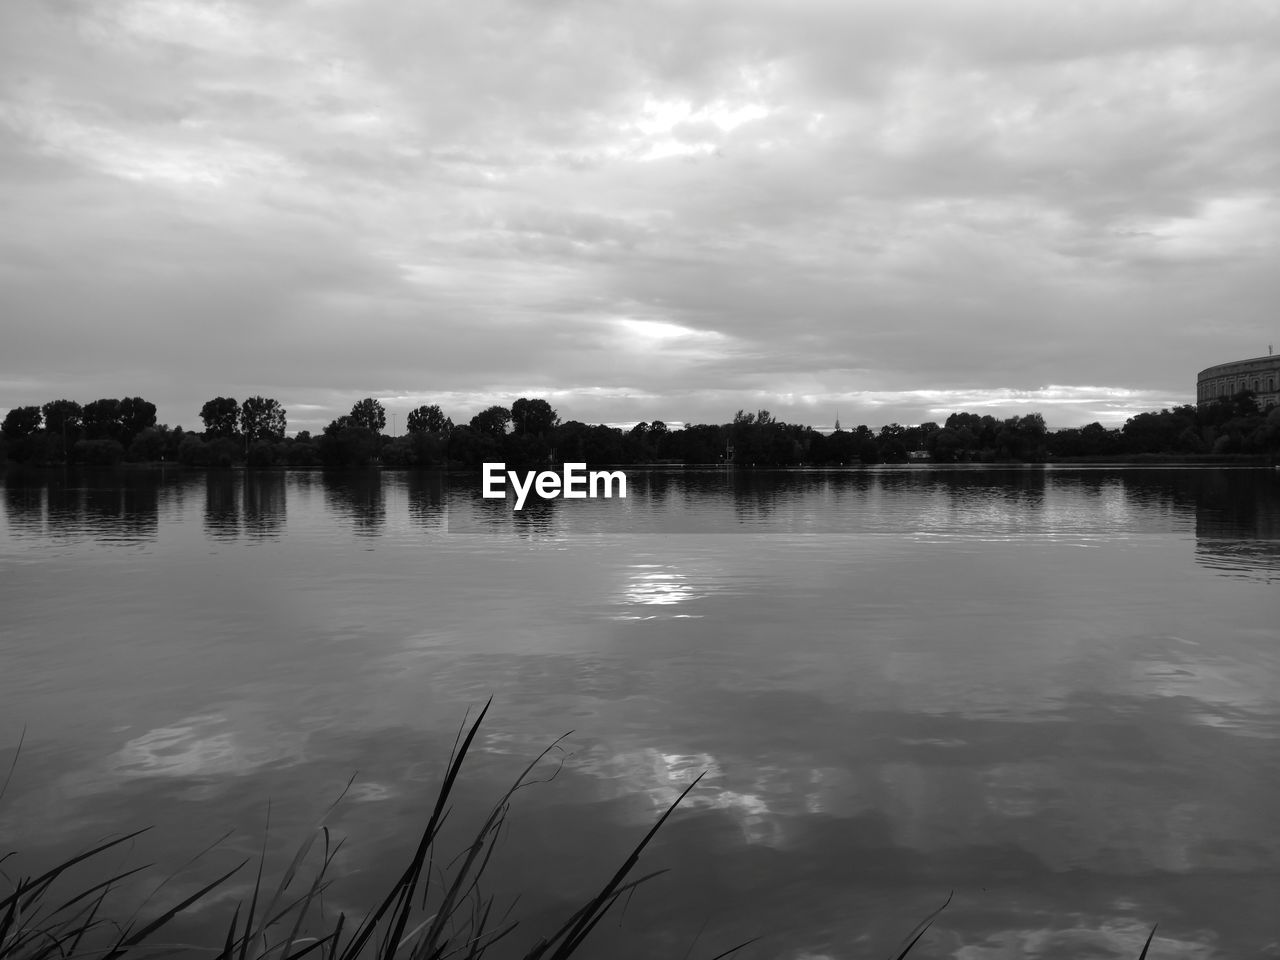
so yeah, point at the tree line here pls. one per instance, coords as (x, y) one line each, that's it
(252, 433)
(111, 430)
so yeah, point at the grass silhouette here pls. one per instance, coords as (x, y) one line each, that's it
(433, 911)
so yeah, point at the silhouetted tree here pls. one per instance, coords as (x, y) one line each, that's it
(892, 443)
(21, 422)
(345, 444)
(428, 419)
(221, 415)
(62, 419)
(173, 442)
(602, 444)
(947, 445)
(533, 417)
(492, 421)
(303, 453)
(136, 415)
(470, 446)
(368, 414)
(1021, 438)
(101, 420)
(262, 418)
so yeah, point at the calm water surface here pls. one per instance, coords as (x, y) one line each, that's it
(1051, 691)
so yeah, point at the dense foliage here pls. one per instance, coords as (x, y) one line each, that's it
(530, 432)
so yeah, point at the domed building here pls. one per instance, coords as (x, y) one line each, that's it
(1261, 375)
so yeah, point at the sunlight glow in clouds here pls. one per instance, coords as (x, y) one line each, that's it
(662, 117)
(1110, 406)
(653, 333)
(674, 128)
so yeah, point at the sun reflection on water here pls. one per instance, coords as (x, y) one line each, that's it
(656, 585)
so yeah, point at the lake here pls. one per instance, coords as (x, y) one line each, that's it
(1054, 691)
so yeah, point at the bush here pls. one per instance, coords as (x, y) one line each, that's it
(146, 447)
(223, 452)
(261, 455)
(192, 451)
(103, 452)
(302, 453)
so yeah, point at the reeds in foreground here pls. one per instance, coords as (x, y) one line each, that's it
(431, 912)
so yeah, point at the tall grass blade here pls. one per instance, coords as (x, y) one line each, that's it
(8, 921)
(582, 915)
(33, 888)
(132, 941)
(455, 893)
(13, 765)
(923, 926)
(104, 886)
(476, 860)
(337, 936)
(249, 935)
(19, 948)
(588, 916)
(732, 950)
(408, 880)
(89, 921)
(1147, 946)
(270, 914)
(318, 886)
(445, 790)
(229, 946)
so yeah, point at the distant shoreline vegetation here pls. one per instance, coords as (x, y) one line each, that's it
(529, 432)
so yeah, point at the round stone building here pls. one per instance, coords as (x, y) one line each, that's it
(1261, 375)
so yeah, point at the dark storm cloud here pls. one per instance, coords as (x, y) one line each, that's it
(661, 210)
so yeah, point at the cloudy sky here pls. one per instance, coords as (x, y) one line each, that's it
(638, 210)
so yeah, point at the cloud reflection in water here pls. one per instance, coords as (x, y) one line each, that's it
(661, 777)
(204, 745)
